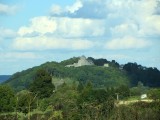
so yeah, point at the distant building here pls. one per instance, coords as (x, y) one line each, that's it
(106, 65)
(81, 62)
(143, 96)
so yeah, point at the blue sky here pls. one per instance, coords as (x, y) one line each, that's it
(33, 32)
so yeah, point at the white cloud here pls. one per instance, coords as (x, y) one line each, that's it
(40, 25)
(127, 42)
(130, 7)
(150, 26)
(45, 43)
(78, 27)
(135, 16)
(64, 27)
(139, 15)
(7, 9)
(58, 10)
(83, 9)
(76, 6)
(125, 29)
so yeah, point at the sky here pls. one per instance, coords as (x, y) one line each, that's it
(33, 32)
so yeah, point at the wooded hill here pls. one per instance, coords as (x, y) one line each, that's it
(101, 77)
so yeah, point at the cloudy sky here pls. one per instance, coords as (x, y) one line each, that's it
(36, 31)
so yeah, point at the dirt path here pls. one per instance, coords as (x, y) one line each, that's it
(133, 101)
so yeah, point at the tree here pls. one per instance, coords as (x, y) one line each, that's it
(26, 102)
(42, 84)
(7, 99)
(123, 91)
(135, 91)
(154, 94)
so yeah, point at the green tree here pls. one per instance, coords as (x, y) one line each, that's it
(123, 91)
(26, 101)
(42, 84)
(7, 99)
(154, 94)
(135, 91)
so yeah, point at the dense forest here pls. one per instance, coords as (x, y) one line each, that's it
(53, 91)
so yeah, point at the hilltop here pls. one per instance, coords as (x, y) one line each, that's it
(101, 72)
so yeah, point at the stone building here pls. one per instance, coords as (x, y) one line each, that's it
(81, 62)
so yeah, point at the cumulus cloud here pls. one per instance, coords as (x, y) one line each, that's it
(125, 29)
(40, 25)
(46, 32)
(74, 25)
(81, 9)
(151, 26)
(101, 9)
(126, 42)
(46, 43)
(57, 10)
(63, 26)
(7, 9)
(75, 7)
(137, 17)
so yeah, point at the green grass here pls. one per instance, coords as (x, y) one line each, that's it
(133, 98)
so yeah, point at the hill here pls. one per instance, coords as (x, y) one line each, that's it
(102, 74)
(4, 78)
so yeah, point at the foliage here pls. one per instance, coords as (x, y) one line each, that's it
(67, 103)
(154, 94)
(70, 61)
(42, 84)
(148, 76)
(137, 111)
(82, 93)
(100, 76)
(25, 101)
(101, 62)
(123, 91)
(7, 99)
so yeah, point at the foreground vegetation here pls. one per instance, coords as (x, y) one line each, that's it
(52, 91)
(41, 101)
